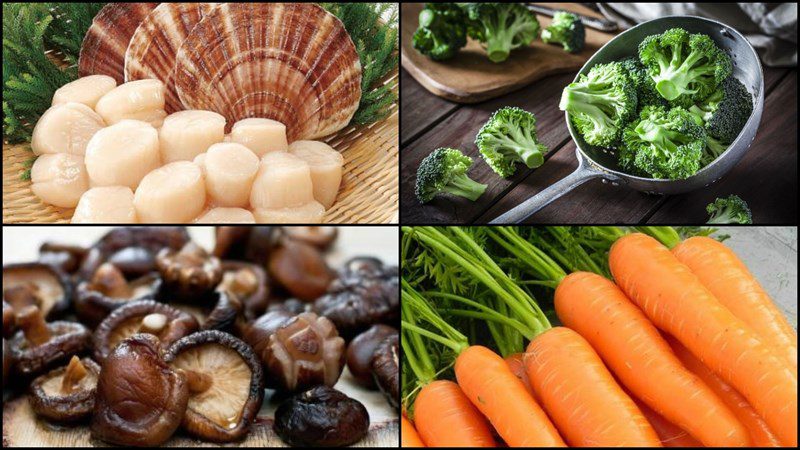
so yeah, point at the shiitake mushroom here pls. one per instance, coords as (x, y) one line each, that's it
(8, 320)
(386, 368)
(168, 324)
(226, 385)
(300, 269)
(8, 362)
(319, 236)
(67, 258)
(38, 284)
(38, 345)
(189, 274)
(140, 400)
(249, 283)
(364, 294)
(108, 290)
(361, 350)
(151, 239)
(66, 394)
(321, 417)
(297, 351)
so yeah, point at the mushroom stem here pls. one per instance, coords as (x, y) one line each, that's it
(198, 382)
(31, 320)
(75, 372)
(111, 281)
(153, 323)
(22, 295)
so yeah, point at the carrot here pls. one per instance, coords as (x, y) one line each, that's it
(446, 418)
(491, 386)
(581, 396)
(726, 276)
(517, 365)
(636, 353)
(676, 302)
(408, 435)
(760, 434)
(670, 434)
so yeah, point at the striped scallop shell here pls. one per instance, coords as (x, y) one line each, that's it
(153, 47)
(290, 62)
(103, 48)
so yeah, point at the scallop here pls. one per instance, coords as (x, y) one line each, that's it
(260, 135)
(174, 193)
(122, 154)
(59, 179)
(186, 134)
(227, 215)
(311, 212)
(283, 181)
(326, 168)
(86, 90)
(138, 100)
(104, 46)
(290, 62)
(107, 204)
(230, 170)
(155, 44)
(65, 128)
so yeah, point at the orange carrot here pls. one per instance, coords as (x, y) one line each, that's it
(408, 435)
(489, 384)
(670, 434)
(726, 276)
(676, 302)
(636, 353)
(760, 434)
(517, 365)
(581, 396)
(446, 418)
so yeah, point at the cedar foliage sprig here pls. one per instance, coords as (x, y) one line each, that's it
(373, 28)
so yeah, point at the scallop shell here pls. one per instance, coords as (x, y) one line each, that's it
(103, 48)
(290, 62)
(151, 52)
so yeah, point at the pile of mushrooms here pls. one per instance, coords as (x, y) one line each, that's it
(163, 336)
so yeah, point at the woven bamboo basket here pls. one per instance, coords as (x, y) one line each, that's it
(369, 191)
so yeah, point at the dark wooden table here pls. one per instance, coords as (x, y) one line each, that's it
(766, 177)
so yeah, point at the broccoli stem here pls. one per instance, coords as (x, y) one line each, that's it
(464, 186)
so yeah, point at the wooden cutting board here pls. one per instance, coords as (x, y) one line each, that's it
(470, 77)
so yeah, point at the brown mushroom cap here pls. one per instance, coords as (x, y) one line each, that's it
(249, 283)
(321, 237)
(189, 274)
(66, 401)
(300, 269)
(8, 320)
(43, 284)
(140, 401)
(7, 362)
(67, 258)
(321, 417)
(108, 290)
(386, 368)
(39, 346)
(361, 350)
(226, 381)
(299, 351)
(128, 320)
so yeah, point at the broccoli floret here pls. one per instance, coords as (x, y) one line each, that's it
(685, 67)
(646, 93)
(565, 29)
(731, 209)
(442, 31)
(726, 111)
(445, 170)
(501, 27)
(600, 103)
(510, 137)
(663, 144)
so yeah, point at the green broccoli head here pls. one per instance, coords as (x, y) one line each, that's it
(442, 31)
(445, 170)
(726, 111)
(685, 67)
(663, 144)
(501, 27)
(510, 137)
(600, 103)
(731, 209)
(565, 29)
(646, 93)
